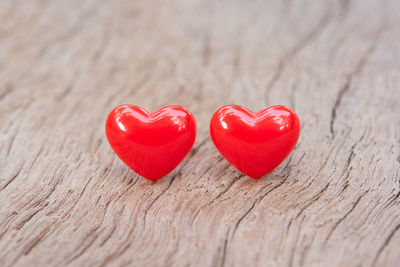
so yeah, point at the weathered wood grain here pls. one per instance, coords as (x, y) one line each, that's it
(67, 200)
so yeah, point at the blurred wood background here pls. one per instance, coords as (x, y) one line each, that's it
(66, 199)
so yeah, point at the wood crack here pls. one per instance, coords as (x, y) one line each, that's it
(7, 183)
(227, 188)
(385, 244)
(90, 237)
(242, 217)
(297, 48)
(313, 200)
(11, 144)
(224, 249)
(6, 92)
(344, 217)
(178, 174)
(349, 80)
(288, 169)
(34, 242)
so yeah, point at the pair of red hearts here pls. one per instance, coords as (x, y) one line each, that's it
(153, 144)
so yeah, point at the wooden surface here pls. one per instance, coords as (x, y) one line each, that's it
(66, 199)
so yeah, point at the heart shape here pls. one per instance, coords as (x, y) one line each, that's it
(255, 142)
(151, 144)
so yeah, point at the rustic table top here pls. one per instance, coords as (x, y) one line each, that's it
(66, 199)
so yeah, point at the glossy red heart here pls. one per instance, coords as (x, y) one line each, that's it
(255, 142)
(151, 144)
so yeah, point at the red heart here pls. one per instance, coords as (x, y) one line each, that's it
(255, 142)
(151, 144)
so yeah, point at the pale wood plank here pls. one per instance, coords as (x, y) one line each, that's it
(67, 200)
